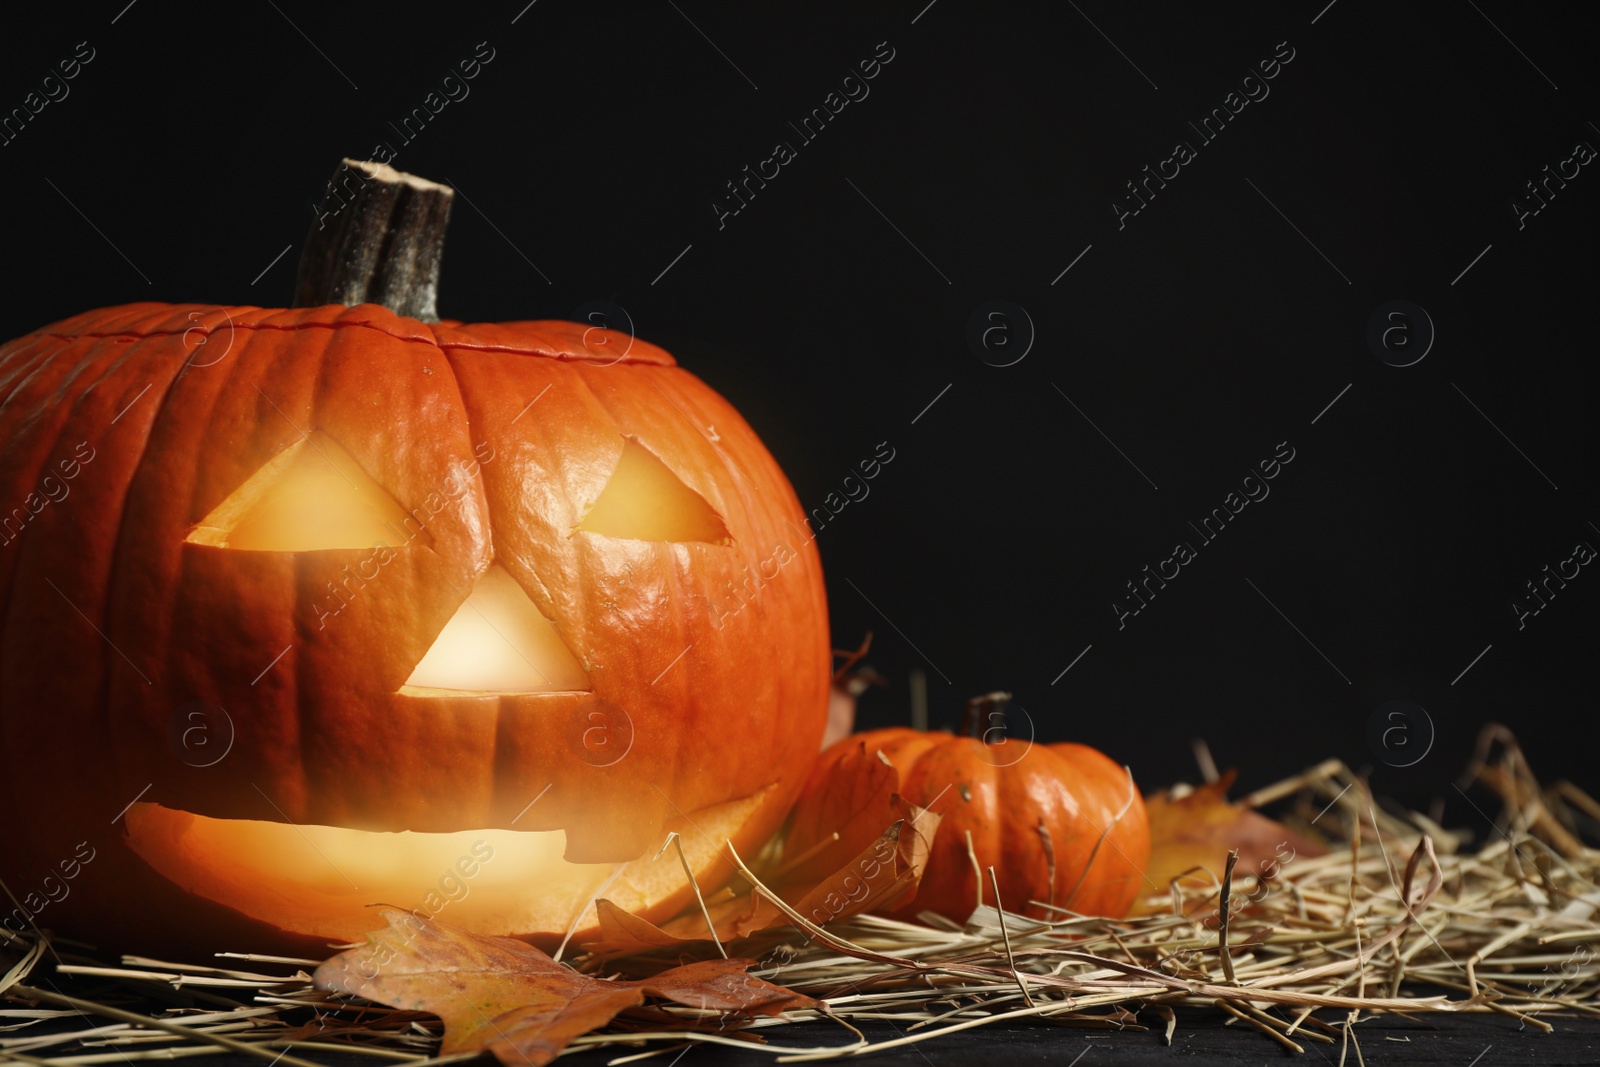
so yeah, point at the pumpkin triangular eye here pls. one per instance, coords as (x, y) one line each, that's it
(645, 501)
(310, 496)
(497, 642)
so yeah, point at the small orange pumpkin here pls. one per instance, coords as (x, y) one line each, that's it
(342, 606)
(1061, 824)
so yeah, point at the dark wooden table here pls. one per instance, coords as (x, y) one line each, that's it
(1202, 1039)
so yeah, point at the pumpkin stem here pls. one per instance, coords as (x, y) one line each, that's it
(977, 720)
(377, 239)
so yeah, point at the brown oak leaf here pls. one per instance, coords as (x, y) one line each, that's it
(1196, 831)
(881, 875)
(877, 874)
(852, 802)
(623, 933)
(507, 997)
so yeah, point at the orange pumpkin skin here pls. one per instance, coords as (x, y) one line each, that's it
(717, 654)
(1002, 795)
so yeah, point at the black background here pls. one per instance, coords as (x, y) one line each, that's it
(834, 308)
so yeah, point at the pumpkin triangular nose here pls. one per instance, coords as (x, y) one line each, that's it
(497, 642)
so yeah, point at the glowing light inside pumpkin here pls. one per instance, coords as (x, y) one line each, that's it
(497, 642)
(309, 497)
(319, 880)
(645, 501)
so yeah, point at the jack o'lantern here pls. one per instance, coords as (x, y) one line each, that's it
(317, 608)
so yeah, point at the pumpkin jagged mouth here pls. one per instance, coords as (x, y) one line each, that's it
(321, 880)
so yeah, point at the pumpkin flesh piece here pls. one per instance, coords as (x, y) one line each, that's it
(320, 880)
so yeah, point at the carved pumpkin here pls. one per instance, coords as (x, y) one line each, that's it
(469, 617)
(1061, 824)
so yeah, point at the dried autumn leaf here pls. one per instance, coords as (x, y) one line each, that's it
(723, 986)
(853, 845)
(882, 874)
(623, 933)
(506, 997)
(853, 800)
(1197, 830)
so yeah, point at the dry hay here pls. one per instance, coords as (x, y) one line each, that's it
(1398, 917)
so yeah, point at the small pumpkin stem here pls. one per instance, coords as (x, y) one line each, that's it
(377, 239)
(979, 709)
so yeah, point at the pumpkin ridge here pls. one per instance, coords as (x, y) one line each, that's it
(114, 568)
(548, 598)
(503, 714)
(18, 383)
(102, 609)
(742, 490)
(17, 376)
